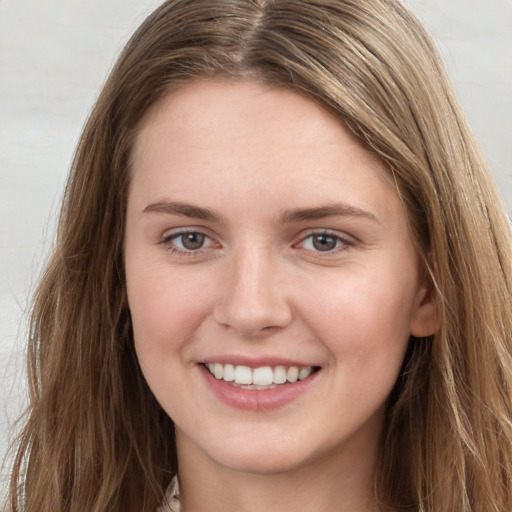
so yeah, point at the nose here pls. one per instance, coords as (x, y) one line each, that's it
(253, 299)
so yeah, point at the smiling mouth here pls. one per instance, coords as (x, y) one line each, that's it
(260, 378)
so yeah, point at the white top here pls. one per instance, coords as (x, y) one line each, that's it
(172, 498)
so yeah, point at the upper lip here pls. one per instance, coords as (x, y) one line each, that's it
(256, 362)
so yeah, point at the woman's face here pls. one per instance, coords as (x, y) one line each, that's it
(265, 245)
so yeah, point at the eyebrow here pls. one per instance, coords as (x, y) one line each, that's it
(185, 209)
(294, 215)
(330, 210)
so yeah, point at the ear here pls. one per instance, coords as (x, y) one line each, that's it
(425, 319)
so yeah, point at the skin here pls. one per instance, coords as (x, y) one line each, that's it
(259, 287)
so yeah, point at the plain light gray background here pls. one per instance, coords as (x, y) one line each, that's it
(54, 56)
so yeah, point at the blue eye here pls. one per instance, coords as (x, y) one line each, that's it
(323, 242)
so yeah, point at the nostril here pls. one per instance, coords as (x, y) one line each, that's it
(251, 322)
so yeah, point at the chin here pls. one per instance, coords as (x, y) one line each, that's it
(258, 465)
(260, 458)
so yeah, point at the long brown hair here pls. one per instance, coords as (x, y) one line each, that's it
(96, 439)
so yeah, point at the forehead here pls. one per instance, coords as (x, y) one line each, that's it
(236, 138)
(262, 116)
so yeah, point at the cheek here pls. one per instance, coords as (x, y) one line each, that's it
(362, 318)
(165, 304)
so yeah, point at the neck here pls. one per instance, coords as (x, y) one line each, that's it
(336, 482)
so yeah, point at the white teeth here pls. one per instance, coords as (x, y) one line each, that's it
(304, 373)
(279, 375)
(218, 371)
(292, 374)
(243, 375)
(262, 377)
(229, 373)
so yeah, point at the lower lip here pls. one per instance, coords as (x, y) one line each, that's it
(256, 399)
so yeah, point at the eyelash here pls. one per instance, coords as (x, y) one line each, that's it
(168, 242)
(342, 243)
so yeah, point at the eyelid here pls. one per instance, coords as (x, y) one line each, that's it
(346, 240)
(171, 234)
(174, 232)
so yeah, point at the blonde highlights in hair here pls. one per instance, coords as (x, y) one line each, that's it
(97, 440)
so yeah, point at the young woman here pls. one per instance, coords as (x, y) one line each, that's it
(282, 279)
